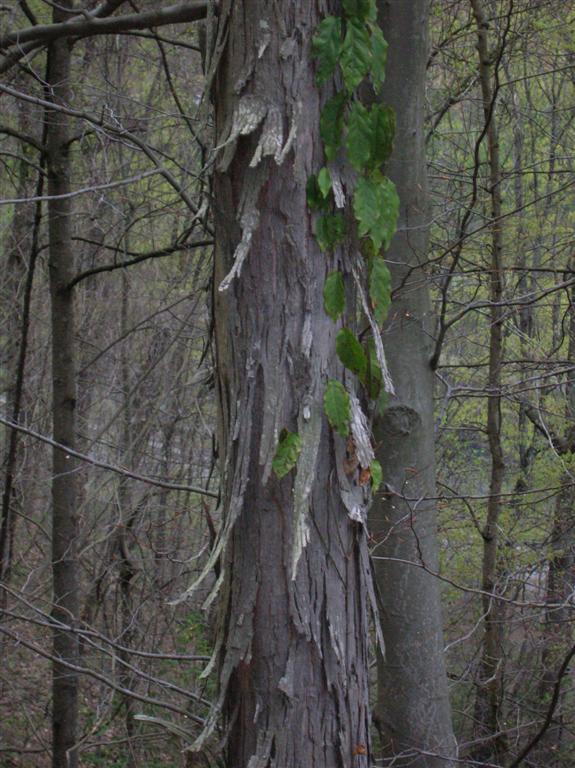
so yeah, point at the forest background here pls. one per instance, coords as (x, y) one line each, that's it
(115, 137)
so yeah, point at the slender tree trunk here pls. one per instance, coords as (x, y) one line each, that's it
(293, 664)
(413, 712)
(64, 493)
(127, 517)
(16, 292)
(558, 630)
(489, 699)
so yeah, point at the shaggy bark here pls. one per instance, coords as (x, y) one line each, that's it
(413, 712)
(293, 656)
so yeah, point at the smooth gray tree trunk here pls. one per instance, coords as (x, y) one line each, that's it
(293, 669)
(413, 712)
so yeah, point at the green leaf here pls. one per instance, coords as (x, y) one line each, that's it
(287, 453)
(361, 9)
(314, 196)
(331, 124)
(376, 208)
(330, 230)
(383, 132)
(351, 353)
(337, 407)
(326, 47)
(367, 206)
(359, 136)
(379, 289)
(370, 133)
(324, 182)
(355, 60)
(368, 250)
(382, 402)
(376, 475)
(334, 295)
(379, 49)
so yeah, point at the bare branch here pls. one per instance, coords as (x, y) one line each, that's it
(104, 465)
(44, 33)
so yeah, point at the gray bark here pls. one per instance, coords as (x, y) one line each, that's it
(293, 660)
(413, 711)
(64, 492)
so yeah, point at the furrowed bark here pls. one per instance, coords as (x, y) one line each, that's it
(413, 712)
(64, 493)
(293, 659)
(489, 698)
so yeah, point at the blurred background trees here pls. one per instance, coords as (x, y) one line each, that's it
(129, 170)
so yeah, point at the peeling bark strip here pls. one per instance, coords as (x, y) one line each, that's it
(293, 649)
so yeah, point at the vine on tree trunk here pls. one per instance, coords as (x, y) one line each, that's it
(353, 48)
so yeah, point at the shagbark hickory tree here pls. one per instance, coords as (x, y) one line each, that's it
(302, 211)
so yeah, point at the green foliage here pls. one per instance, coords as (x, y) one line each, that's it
(331, 125)
(324, 182)
(355, 60)
(360, 9)
(287, 453)
(376, 208)
(370, 135)
(330, 230)
(326, 47)
(334, 295)
(358, 139)
(379, 59)
(337, 407)
(379, 288)
(376, 475)
(351, 353)
(316, 200)
(382, 135)
(373, 379)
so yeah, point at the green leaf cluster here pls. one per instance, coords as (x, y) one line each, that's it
(287, 453)
(370, 133)
(334, 295)
(330, 230)
(376, 208)
(337, 407)
(354, 46)
(351, 353)
(379, 288)
(356, 43)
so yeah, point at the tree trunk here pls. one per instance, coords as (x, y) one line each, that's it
(413, 712)
(489, 700)
(64, 497)
(18, 266)
(293, 663)
(558, 632)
